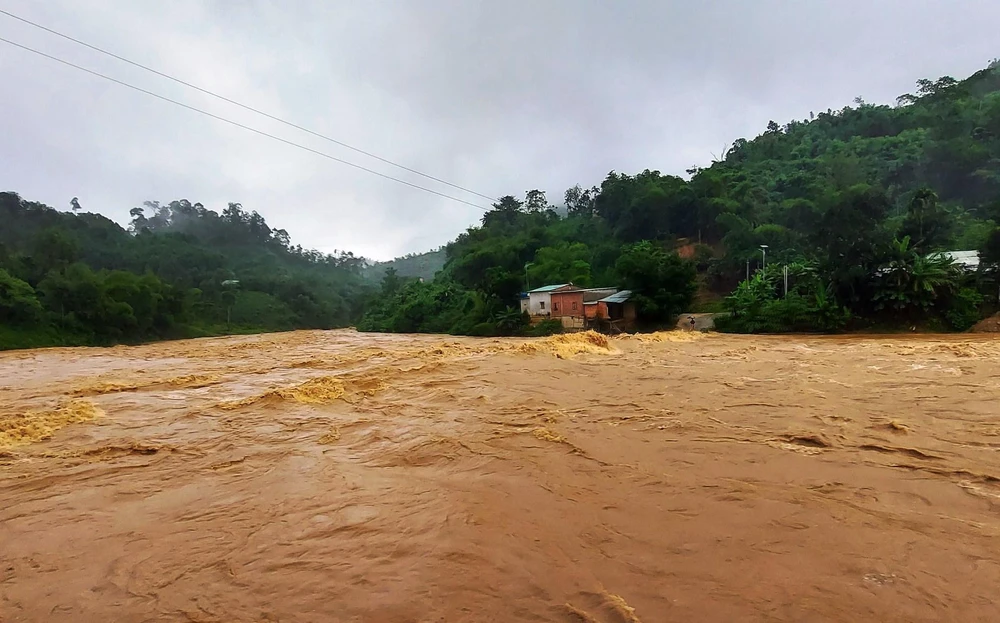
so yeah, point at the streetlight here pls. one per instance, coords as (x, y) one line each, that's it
(527, 286)
(763, 263)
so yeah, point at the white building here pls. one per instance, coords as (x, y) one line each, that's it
(540, 299)
(967, 260)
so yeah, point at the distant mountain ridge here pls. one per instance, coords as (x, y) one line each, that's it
(415, 265)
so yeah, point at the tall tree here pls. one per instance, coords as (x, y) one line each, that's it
(662, 283)
(535, 201)
(927, 223)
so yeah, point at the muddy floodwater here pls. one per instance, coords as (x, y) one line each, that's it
(336, 476)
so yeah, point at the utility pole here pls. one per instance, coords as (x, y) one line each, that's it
(748, 270)
(763, 263)
(786, 279)
(229, 287)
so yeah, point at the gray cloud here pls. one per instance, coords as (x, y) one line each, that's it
(499, 97)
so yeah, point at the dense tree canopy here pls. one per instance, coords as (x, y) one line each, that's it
(856, 204)
(179, 269)
(835, 196)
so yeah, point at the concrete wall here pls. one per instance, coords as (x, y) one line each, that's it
(572, 322)
(539, 303)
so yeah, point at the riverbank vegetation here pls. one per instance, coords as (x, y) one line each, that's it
(178, 270)
(857, 203)
(857, 206)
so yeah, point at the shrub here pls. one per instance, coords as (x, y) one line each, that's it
(544, 328)
(756, 309)
(703, 255)
(962, 310)
(483, 329)
(18, 303)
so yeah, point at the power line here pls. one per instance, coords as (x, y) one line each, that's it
(244, 106)
(240, 125)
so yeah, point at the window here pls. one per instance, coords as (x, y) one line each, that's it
(574, 305)
(541, 304)
(555, 307)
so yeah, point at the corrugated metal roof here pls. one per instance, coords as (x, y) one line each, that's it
(596, 294)
(550, 288)
(966, 259)
(618, 297)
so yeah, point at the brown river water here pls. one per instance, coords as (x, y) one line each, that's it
(345, 477)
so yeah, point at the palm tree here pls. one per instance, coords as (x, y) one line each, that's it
(910, 280)
(509, 320)
(930, 277)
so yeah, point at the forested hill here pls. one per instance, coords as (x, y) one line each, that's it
(944, 138)
(417, 265)
(853, 200)
(180, 269)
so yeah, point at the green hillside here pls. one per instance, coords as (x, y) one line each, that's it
(852, 200)
(414, 265)
(179, 270)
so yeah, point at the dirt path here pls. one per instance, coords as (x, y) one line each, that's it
(334, 476)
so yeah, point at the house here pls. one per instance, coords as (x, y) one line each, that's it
(567, 306)
(570, 301)
(567, 303)
(579, 308)
(966, 260)
(592, 295)
(613, 313)
(540, 299)
(591, 303)
(620, 307)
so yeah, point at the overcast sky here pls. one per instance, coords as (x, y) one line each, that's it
(499, 97)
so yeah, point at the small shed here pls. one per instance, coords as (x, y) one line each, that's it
(618, 310)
